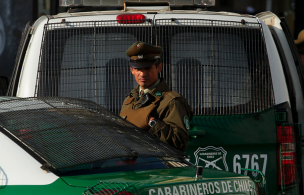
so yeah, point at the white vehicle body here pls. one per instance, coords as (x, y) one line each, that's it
(28, 75)
(285, 78)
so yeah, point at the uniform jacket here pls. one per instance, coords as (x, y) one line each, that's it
(171, 110)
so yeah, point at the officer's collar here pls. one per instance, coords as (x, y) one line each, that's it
(150, 88)
(158, 91)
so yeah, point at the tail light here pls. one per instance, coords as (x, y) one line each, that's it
(287, 161)
(131, 18)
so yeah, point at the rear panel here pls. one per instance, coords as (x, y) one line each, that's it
(221, 67)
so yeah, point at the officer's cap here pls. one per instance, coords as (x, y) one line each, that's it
(143, 55)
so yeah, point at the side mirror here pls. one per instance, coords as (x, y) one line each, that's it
(3, 85)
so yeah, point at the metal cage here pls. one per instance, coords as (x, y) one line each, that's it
(221, 67)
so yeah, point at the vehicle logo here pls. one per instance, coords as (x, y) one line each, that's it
(211, 157)
(3, 178)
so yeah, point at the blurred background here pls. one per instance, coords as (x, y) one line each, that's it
(14, 14)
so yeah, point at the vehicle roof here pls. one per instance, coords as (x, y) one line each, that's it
(183, 14)
(117, 12)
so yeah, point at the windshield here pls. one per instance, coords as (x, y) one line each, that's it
(68, 135)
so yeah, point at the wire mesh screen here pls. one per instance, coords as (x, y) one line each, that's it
(66, 132)
(109, 188)
(87, 60)
(220, 67)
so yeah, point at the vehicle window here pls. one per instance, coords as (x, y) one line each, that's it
(126, 164)
(220, 70)
(88, 62)
(93, 71)
(211, 67)
(71, 135)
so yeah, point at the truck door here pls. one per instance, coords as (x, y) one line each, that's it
(223, 71)
(293, 71)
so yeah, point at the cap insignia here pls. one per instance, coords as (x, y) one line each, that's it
(138, 45)
(187, 122)
(140, 56)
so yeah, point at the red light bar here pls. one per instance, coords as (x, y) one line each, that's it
(131, 18)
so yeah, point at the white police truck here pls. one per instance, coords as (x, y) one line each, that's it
(241, 75)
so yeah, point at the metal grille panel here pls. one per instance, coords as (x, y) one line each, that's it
(68, 133)
(220, 67)
(87, 60)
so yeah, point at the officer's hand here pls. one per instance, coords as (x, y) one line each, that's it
(151, 122)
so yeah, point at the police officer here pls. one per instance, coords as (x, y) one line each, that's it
(151, 105)
(300, 45)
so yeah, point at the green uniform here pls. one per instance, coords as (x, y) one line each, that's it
(171, 110)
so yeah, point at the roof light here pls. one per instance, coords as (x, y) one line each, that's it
(131, 18)
(98, 3)
(204, 2)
